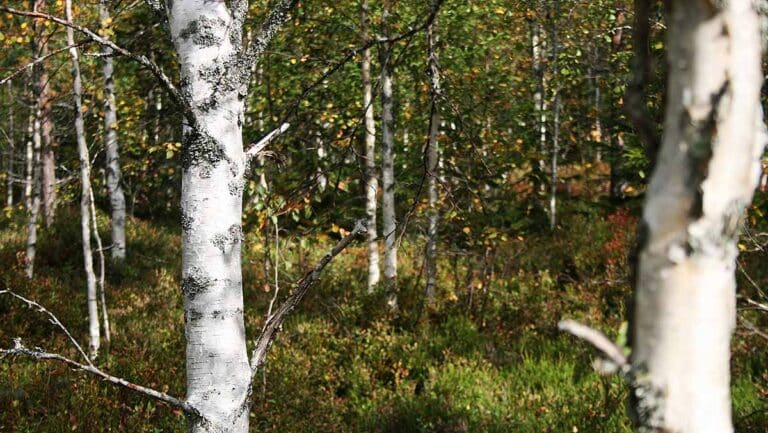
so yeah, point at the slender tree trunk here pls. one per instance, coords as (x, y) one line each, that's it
(85, 199)
(388, 168)
(432, 164)
(213, 165)
(10, 166)
(370, 180)
(38, 98)
(47, 157)
(709, 165)
(114, 174)
(29, 154)
(34, 178)
(538, 46)
(555, 124)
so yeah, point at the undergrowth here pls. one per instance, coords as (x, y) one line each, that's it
(486, 358)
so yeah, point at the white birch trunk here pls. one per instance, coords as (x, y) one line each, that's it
(218, 374)
(555, 125)
(33, 175)
(539, 101)
(34, 179)
(370, 180)
(389, 223)
(85, 199)
(432, 165)
(29, 154)
(708, 167)
(114, 173)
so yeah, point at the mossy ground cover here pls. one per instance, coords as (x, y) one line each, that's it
(486, 358)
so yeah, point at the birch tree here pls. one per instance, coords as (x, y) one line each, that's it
(370, 180)
(708, 166)
(114, 173)
(85, 191)
(432, 163)
(389, 222)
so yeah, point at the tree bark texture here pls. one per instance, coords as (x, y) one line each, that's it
(432, 165)
(208, 42)
(370, 180)
(708, 167)
(389, 222)
(114, 173)
(85, 199)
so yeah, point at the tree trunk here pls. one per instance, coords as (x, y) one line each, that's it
(709, 165)
(33, 202)
(85, 199)
(555, 124)
(538, 46)
(47, 156)
(432, 164)
(10, 166)
(213, 164)
(387, 168)
(33, 175)
(370, 180)
(114, 174)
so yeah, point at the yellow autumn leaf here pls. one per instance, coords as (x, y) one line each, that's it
(466, 230)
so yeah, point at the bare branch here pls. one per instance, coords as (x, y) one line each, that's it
(412, 30)
(275, 322)
(39, 354)
(52, 318)
(277, 17)
(38, 60)
(752, 328)
(597, 339)
(258, 146)
(143, 60)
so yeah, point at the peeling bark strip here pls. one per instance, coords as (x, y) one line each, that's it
(708, 167)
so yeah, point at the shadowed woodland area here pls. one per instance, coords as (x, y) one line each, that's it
(383, 216)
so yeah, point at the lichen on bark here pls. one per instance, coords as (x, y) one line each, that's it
(195, 283)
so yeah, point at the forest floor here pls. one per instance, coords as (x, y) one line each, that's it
(487, 358)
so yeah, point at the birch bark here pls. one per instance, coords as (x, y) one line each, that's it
(114, 173)
(387, 167)
(708, 167)
(432, 164)
(85, 199)
(208, 43)
(370, 180)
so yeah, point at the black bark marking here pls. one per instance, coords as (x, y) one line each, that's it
(236, 187)
(203, 31)
(202, 151)
(646, 402)
(195, 283)
(186, 222)
(233, 236)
